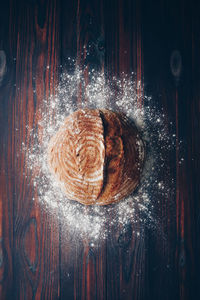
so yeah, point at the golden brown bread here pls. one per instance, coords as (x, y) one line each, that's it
(97, 155)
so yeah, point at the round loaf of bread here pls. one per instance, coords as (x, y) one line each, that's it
(98, 156)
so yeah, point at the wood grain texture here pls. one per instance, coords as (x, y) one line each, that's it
(176, 31)
(38, 257)
(33, 253)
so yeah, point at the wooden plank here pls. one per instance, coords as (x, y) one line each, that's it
(171, 30)
(34, 45)
(124, 54)
(158, 44)
(7, 74)
(83, 269)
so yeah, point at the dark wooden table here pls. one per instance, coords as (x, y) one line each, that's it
(125, 36)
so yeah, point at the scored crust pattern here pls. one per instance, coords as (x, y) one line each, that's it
(97, 155)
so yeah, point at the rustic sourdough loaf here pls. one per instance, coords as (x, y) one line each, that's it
(98, 156)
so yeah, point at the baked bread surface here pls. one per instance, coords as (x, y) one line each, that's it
(97, 155)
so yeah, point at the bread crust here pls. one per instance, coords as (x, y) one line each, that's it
(98, 156)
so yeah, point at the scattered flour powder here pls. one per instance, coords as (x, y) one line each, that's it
(117, 94)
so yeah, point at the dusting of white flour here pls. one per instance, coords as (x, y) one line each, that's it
(117, 94)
